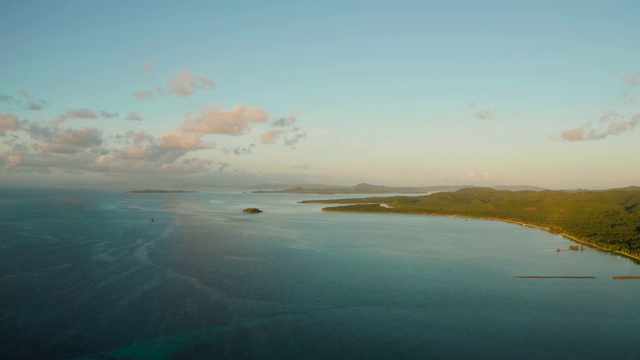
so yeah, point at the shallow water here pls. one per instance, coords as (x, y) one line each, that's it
(86, 274)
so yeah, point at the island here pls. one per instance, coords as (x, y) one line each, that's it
(252, 211)
(606, 219)
(153, 191)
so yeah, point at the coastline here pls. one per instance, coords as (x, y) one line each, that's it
(569, 237)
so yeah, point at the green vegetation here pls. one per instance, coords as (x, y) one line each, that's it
(608, 219)
(252, 211)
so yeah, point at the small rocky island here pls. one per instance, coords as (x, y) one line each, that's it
(252, 211)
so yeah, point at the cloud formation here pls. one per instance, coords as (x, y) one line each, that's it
(184, 141)
(632, 80)
(133, 116)
(213, 120)
(270, 136)
(184, 84)
(106, 114)
(486, 114)
(80, 114)
(285, 121)
(9, 99)
(32, 105)
(8, 122)
(143, 95)
(71, 141)
(293, 140)
(611, 124)
(239, 150)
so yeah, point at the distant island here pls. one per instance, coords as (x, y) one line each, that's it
(606, 219)
(252, 210)
(364, 188)
(153, 191)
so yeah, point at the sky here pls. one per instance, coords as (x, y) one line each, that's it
(404, 93)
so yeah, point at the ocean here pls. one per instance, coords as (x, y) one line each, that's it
(86, 274)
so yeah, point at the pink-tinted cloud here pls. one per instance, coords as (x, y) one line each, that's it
(81, 114)
(270, 136)
(8, 122)
(184, 141)
(184, 84)
(236, 121)
(134, 116)
(143, 95)
(632, 80)
(610, 127)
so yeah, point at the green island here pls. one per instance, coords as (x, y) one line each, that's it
(607, 219)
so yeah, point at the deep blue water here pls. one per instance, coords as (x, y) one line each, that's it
(86, 274)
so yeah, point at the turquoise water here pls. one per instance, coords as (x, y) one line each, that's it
(86, 274)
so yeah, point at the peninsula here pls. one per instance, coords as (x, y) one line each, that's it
(607, 219)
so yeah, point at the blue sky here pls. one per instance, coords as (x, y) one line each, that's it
(106, 93)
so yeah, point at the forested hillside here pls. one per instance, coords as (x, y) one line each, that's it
(609, 219)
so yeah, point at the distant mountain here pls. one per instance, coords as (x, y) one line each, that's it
(364, 188)
(517, 187)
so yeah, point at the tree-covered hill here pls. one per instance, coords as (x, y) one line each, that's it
(609, 219)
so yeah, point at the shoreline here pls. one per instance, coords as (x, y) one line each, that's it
(634, 258)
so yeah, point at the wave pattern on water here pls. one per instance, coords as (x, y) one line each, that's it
(86, 274)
